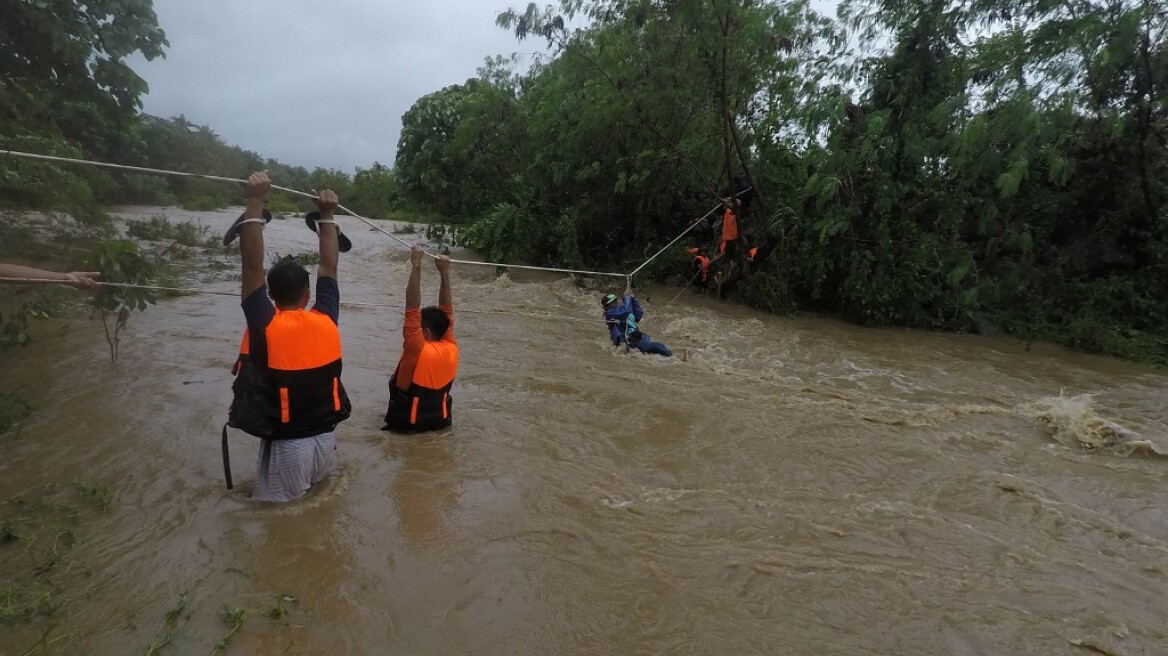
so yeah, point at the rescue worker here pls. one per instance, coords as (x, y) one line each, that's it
(700, 269)
(419, 390)
(622, 315)
(288, 390)
(79, 279)
(730, 226)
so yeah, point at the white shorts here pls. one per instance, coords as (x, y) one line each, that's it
(295, 466)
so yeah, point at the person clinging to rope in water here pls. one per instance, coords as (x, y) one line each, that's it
(419, 390)
(79, 279)
(622, 315)
(290, 395)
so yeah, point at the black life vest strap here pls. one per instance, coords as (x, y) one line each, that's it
(226, 460)
(265, 461)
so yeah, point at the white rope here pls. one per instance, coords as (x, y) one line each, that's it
(371, 224)
(143, 169)
(684, 289)
(683, 233)
(538, 268)
(213, 292)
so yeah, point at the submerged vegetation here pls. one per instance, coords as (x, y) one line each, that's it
(37, 531)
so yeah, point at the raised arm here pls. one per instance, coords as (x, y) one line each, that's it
(414, 286)
(326, 227)
(251, 235)
(74, 278)
(445, 299)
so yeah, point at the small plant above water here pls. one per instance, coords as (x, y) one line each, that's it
(159, 228)
(303, 259)
(233, 617)
(165, 631)
(120, 261)
(280, 607)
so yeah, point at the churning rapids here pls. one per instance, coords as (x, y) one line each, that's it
(794, 487)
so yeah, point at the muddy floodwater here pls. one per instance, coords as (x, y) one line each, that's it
(796, 486)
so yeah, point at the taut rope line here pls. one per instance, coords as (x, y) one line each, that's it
(371, 224)
(212, 292)
(296, 192)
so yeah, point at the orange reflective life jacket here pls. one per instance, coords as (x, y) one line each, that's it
(297, 391)
(729, 226)
(425, 405)
(704, 263)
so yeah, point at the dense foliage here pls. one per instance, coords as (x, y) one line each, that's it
(936, 164)
(66, 90)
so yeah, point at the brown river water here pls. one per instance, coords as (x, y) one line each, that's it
(796, 486)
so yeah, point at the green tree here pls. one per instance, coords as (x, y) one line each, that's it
(71, 57)
(374, 191)
(66, 89)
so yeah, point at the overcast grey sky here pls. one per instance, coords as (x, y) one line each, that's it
(316, 83)
(321, 83)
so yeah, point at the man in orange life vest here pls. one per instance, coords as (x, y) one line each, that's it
(419, 391)
(288, 391)
(700, 267)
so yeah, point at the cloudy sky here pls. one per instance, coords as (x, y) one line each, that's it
(316, 83)
(321, 83)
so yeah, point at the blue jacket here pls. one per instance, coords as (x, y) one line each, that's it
(617, 317)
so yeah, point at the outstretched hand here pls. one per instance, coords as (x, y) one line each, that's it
(82, 279)
(416, 255)
(442, 263)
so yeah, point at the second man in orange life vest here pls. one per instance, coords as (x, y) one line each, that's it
(419, 390)
(290, 394)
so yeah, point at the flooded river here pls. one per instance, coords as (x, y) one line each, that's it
(795, 487)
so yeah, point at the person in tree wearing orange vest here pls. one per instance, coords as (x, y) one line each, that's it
(730, 227)
(289, 394)
(419, 390)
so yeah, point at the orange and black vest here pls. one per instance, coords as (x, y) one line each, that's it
(426, 404)
(244, 354)
(293, 389)
(729, 226)
(703, 262)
